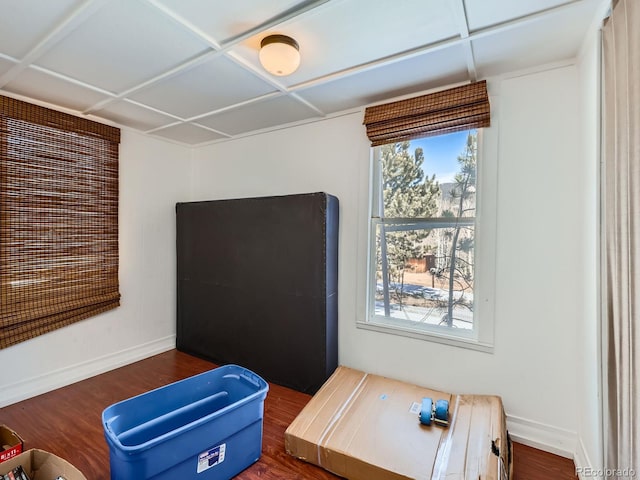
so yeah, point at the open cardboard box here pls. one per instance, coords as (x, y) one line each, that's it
(366, 427)
(10, 443)
(41, 465)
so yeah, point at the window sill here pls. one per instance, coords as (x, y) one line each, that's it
(455, 341)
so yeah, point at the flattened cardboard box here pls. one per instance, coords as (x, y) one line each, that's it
(366, 427)
(10, 443)
(41, 465)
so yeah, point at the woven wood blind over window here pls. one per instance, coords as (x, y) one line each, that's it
(447, 111)
(58, 220)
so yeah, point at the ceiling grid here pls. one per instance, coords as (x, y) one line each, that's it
(189, 71)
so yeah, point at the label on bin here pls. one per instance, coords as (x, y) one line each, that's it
(211, 457)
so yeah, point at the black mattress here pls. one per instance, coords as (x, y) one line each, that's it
(258, 285)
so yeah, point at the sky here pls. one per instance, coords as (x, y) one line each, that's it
(441, 154)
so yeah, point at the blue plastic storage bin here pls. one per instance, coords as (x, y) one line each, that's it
(206, 427)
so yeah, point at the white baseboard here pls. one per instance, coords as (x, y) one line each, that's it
(542, 436)
(582, 462)
(39, 384)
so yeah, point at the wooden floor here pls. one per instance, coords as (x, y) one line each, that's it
(67, 422)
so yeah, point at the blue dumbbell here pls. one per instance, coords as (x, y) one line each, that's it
(438, 413)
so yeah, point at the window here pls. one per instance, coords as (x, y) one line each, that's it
(423, 233)
(425, 277)
(58, 220)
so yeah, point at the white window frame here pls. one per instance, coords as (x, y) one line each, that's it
(481, 336)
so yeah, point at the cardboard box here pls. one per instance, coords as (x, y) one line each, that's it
(41, 465)
(10, 443)
(366, 427)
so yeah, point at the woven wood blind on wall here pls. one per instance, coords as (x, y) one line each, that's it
(58, 220)
(447, 111)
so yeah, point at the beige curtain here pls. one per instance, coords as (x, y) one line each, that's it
(621, 216)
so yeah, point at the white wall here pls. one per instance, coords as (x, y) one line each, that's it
(590, 447)
(153, 176)
(540, 252)
(545, 321)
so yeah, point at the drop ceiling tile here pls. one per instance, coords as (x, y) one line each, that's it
(213, 85)
(226, 20)
(484, 13)
(24, 23)
(259, 115)
(134, 116)
(436, 69)
(6, 65)
(347, 33)
(555, 38)
(121, 45)
(188, 133)
(39, 85)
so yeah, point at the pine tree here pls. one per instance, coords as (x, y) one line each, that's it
(459, 261)
(406, 193)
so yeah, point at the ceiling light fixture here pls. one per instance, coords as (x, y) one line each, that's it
(279, 55)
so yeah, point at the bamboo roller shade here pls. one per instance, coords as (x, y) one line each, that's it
(460, 108)
(58, 220)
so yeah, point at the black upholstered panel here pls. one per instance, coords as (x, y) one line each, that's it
(258, 285)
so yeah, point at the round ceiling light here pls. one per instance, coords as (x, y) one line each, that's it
(279, 55)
